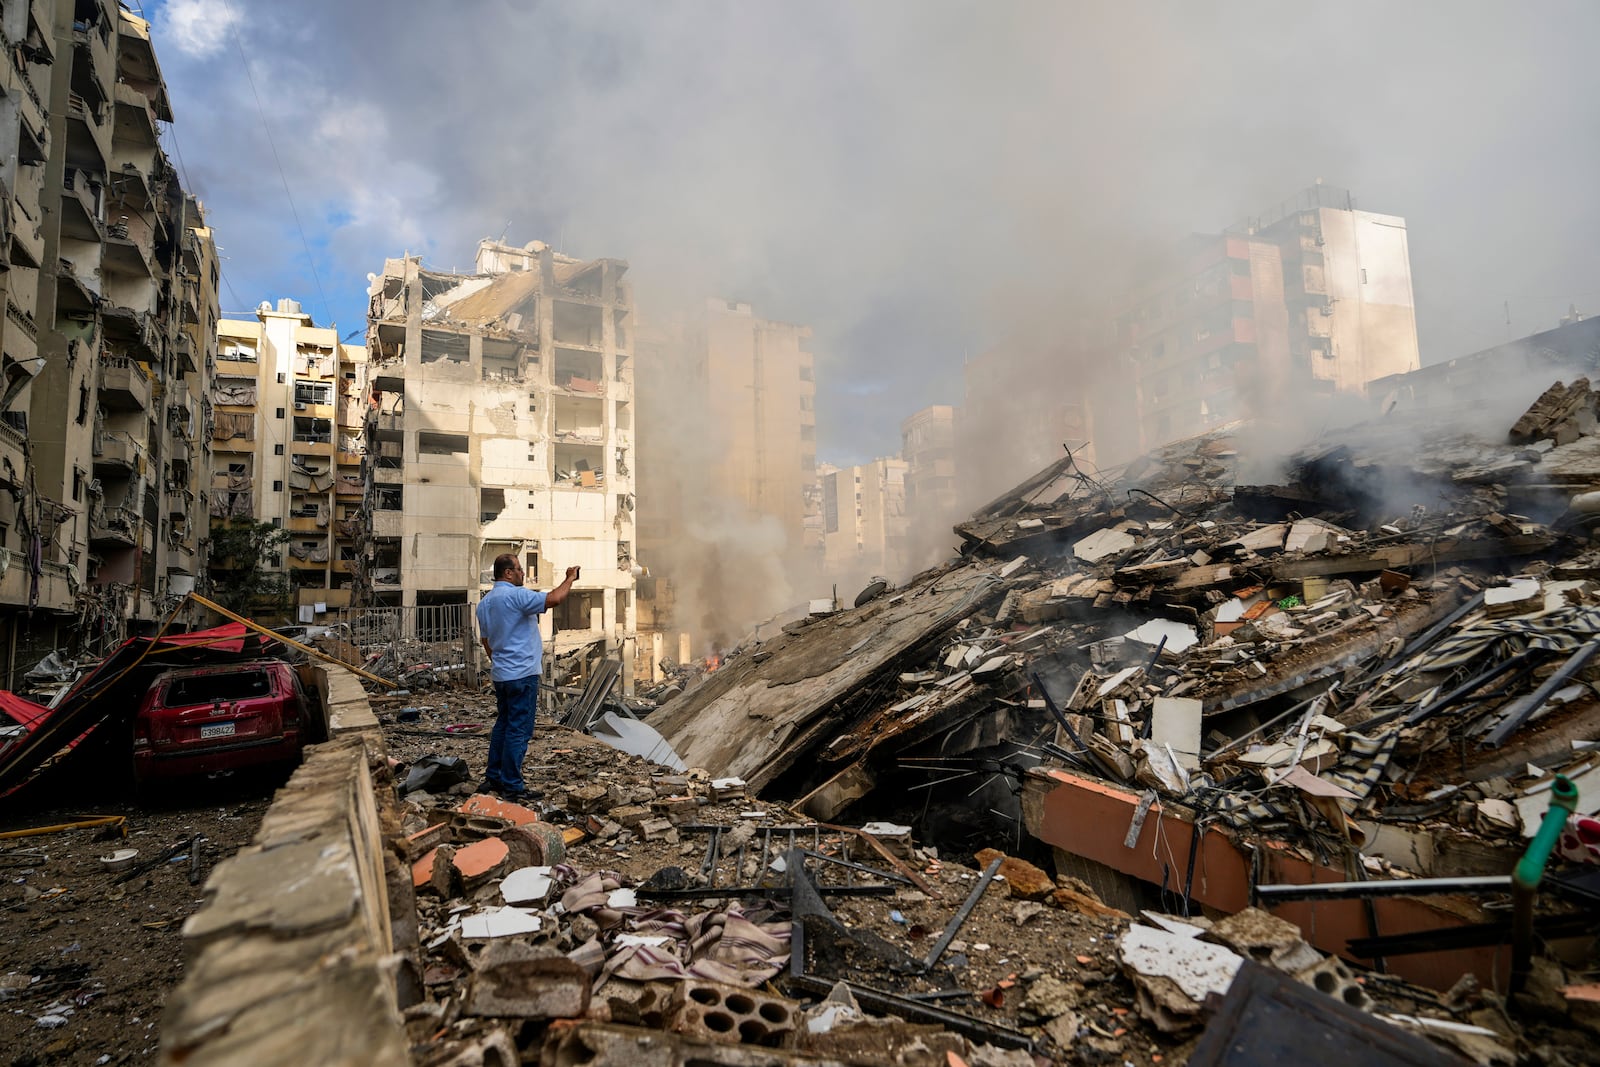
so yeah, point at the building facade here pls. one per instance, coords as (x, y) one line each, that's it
(500, 419)
(110, 298)
(1346, 288)
(928, 446)
(1204, 339)
(731, 509)
(288, 443)
(864, 524)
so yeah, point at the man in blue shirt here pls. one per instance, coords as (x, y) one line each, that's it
(508, 626)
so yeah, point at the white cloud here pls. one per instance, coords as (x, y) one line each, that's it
(198, 28)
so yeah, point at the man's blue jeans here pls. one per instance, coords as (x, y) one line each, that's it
(516, 701)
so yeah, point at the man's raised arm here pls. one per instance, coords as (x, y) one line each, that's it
(559, 593)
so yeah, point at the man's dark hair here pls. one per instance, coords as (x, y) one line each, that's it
(504, 563)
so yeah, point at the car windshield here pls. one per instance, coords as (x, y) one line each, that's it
(210, 688)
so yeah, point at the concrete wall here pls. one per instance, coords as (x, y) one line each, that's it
(291, 958)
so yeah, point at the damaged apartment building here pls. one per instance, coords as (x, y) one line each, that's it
(728, 474)
(500, 420)
(110, 286)
(1312, 297)
(288, 440)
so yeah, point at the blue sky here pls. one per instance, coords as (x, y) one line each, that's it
(917, 180)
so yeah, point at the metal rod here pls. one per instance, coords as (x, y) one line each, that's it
(862, 867)
(885, 1003)
(1396, 887)
(1518, 711)
(961, 914)
(1442, 702)
(1269, 724)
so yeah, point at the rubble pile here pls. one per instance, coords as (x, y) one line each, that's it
(1170, 627)
(637, 900)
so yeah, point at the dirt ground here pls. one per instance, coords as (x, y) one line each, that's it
(86, 960)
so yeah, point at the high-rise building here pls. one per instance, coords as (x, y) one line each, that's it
(1203, 338)
(1310, 299)
(928, 446)
(288, 442)
(1347, 287)
(727, 484)
(110, 309)
(501, 421)
(864, 523)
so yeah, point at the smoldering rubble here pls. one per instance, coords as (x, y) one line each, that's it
(1321, 749)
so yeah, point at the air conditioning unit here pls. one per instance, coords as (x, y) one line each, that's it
(299, 407)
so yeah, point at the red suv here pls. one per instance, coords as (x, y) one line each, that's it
(208, 719)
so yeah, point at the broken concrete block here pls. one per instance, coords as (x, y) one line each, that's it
(1103, 544)
(1172, 975)
(1049, 997)
(727, 789)
(630, 815)
(515, 980)
(586, 798)
(1266, 939)
(1023, 879)
(658, 830)
(716, 1012)
(678, 809)
(1332, 977)
(491, 1049)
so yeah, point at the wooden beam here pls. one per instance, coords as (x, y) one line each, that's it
(258, 628)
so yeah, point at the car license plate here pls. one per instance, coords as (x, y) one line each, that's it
(217, 729)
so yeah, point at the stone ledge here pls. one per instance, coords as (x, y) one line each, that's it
(288, 961)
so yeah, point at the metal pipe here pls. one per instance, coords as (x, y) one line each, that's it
(1518, 711)
(1395, 887)
(1529, 872)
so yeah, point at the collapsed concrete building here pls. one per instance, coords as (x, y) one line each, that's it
(1189, 686)
(501, 420)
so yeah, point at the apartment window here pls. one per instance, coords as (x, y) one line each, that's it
(805, 372)
(277, 450)
(83, 403)
(278, 522)
(236, 470)
(77, 484)
(313, 392)
(808, 433)
(280, 413)
(277, 486)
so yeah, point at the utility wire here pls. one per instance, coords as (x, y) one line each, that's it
(183, 168)
(311, 262)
